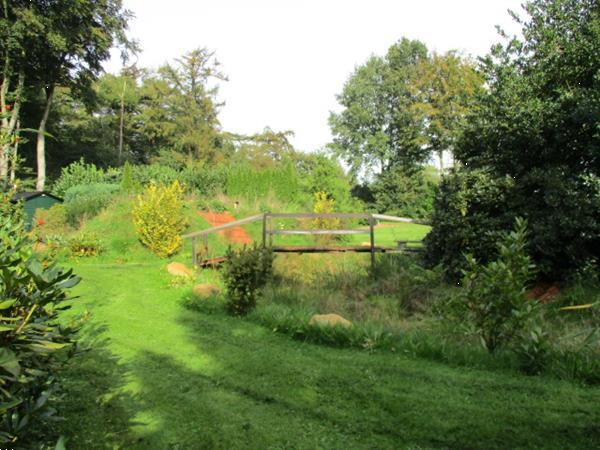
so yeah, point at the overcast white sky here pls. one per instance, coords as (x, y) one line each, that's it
(286, 60)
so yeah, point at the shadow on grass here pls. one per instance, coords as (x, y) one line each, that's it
(98, 413)
(243, 387)
(270, 392)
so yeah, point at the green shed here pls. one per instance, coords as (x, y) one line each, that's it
(33, 201)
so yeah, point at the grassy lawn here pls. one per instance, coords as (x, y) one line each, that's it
(158, 376)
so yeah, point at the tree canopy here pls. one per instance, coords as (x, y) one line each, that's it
(535, 131)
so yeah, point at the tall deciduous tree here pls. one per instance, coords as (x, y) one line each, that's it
(19, 30)
(378, 128)
(78, 35)
(447, 87)
(55, 43)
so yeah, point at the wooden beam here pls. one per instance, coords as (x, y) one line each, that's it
(237, 223)
(310, 232)
(399, 219)
(319, 215)
(353, 249)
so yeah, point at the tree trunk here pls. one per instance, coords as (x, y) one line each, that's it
(41, 142)
(9, 117)
(122, 122)
(441, 156)
(15, 155)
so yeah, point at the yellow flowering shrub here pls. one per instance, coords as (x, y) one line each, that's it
(324, 204)
(159, 218)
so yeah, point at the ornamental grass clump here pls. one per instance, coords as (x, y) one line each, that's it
(159, 218)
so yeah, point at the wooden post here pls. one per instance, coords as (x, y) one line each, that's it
(264, 232)
(372, 235)
(194, 254)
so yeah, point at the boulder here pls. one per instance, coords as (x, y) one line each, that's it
(329, 320)
(179, 270)
(206, 290)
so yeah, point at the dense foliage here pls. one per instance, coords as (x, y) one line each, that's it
(493, 302)
(33, 345)
(159, 218)
(84, 201)
(535, 136)
(245, 273)
(397, 111)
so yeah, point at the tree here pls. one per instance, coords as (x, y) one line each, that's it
(538, 127)
(79, 36)
(447, 86)
(262, 150)
(59, 44)
(18, 30)
(191, 103)
(378, 128)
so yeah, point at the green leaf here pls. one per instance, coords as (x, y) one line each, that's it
(9, 362)
(8, 405)
(60, 445)
(48, 345)
(7, 304)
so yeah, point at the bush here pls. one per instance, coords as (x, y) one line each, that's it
(471, 210)
(474, 206)
(246, 271)
(80, 173)
(203, 180)
(159, 218)
(408, 195)
(212, 205)
(128, 184)
(85, 244)
(86, 201)
(323, 204)
(154, 174)
(493, 302)
(245, 181)
(33, 344)
(50, 222)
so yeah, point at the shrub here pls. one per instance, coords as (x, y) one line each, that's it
(399, 193)
(212, 205)
(154, 174)
(471, 210)
(245, 181)
(85, 244)
(246, 271)
(33, 344)
(159, 218)
(50, 222)
(493, 302)
(128, 184)
(86, 201)
(80, 173)
(203, 180)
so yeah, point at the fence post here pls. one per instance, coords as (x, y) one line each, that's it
(372, 236)
(264, 232)
(194, 254)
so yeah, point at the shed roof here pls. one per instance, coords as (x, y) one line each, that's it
(32, 194)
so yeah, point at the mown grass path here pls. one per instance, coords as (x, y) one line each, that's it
(160, 377)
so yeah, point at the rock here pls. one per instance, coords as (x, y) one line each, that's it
(329, 320)
(179, 270)
(206, 290)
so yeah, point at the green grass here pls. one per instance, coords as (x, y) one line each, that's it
(158, 376)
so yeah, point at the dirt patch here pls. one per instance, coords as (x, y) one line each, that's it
(236, 235)
(544, 292)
